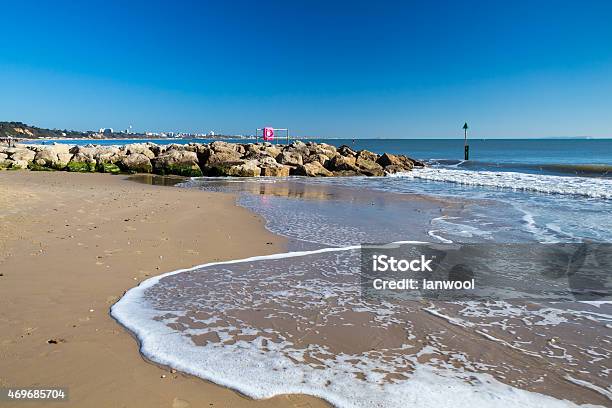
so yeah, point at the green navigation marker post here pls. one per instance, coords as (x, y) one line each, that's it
(466, 147)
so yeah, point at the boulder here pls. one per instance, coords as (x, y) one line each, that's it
(323, 149)
(136, 163)
(4, 161)
(21, 154)
(81, 167)
(214, 162)
(155, 148)
(367, 155)
(318, 157)
(271, 150)
(312, 169)
(20, 157)
(55, 156)
(392, 169)
(179, 162)
(339, 163)
(259, 151)
(108, 154)
(290, 158)
(344, 150)
(417, 163)
(298, 147)
(82, 162)
(249, 168)
(347, 173)
(141, 148)
(220, 146)
(108, 168)
(275, 170)
(369, 167)
(388, 159)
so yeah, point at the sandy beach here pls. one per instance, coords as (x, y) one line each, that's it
(70, 246)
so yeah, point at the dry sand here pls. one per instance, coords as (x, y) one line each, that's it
(70, 245)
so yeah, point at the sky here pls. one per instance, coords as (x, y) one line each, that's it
(409, 69)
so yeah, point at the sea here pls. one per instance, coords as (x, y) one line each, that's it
(297, 321)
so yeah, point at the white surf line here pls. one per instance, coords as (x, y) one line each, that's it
(426, 383)
(603, 391)
(432, 233)
(153, 280)
(539, 183)
(467, 324)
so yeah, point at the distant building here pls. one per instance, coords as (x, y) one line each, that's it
(106, 131)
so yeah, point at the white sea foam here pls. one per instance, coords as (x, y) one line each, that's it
(279, 367)
(579, 186)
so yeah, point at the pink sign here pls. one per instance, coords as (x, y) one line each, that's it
(268, 133)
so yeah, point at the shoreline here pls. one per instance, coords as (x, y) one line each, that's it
(55, 301)
(156, 337)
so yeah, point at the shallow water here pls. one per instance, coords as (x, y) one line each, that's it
(298, 323)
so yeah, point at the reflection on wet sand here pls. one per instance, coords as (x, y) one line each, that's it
(157, 180)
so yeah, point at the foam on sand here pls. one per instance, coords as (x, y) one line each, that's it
(246, 359)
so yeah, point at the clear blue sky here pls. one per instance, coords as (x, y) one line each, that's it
(322, 68)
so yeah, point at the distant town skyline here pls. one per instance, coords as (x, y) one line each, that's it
(322, 69)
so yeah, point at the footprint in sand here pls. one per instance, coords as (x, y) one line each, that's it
(179, 403)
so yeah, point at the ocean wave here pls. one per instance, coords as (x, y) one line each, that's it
(600, 188)
(575, 169)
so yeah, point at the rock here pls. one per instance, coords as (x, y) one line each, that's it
(259, 151)
(81, 162)
(141, 148)
(392, 169)
(388, 159)
(136, 163)
(367, 155)
(217, 164)
(55, 157)
(369, 167)
(220, 146)
(297, 147)
(339, 163)
(5, 162)
(179, 162)
(37, 166)
(290, 158)
(108, 168)
(318, 157)
(347, 173)
(218, 158)
(82, 157)
(417, 163)
(107, 154)
(271, 150)
(20, 157)
(18, 154)
(249, 168)
(344, 150)
(211, 158)
(312, 169)
(275, 170)
(323, 149)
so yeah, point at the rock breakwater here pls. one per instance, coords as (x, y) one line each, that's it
(211, 159)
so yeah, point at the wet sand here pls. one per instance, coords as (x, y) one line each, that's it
(70, 245)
